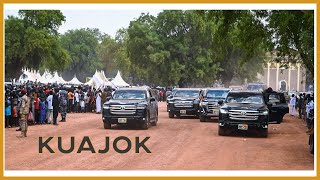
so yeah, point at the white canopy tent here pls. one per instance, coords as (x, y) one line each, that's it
(75, 80)
(27, 76)
(118, 81)
(47, 77)
(99, 80)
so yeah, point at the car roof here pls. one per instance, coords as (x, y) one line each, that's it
(191, 89)
(134, 88)
(245, 92)
(218, 89)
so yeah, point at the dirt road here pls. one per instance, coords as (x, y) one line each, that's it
(175, 144)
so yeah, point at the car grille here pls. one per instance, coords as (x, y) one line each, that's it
(212, 106)
(123, 109)
(183, 104)
(243, 115)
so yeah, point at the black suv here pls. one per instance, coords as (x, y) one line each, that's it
(131, 106)
(245, 110)
(185, 101)
(209, 106)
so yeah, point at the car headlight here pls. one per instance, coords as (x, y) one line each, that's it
(203, 103)
(141, 106)
(223, 111)
(266, 112)
(106, 107)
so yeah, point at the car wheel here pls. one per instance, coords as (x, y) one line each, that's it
(154, 123)
(264, 132)
(222, 131)
(311, 144)
(202, 118)
(107, 125)
(146, 123)
(171, 115)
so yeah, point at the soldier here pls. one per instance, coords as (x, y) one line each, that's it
(63, 104)
(25, 105)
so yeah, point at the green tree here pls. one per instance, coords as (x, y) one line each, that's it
(33, 43)
(168, 49)
(82, 45)
(292, 36)
(239, 44)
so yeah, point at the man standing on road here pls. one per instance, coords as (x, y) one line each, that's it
(70, 104)
(55, 105)
(63, 105)
(50, 107)
(309, 107)
(25, 106)
(77, 100)
(292, 104)
(300, 104)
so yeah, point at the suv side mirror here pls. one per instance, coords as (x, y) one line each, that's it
(220, 102)
(152, 99)
(108, 98)
(170, 96)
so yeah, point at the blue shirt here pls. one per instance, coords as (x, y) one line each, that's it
(8, 108)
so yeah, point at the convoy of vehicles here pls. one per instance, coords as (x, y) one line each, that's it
(234, 110)
(131, 106)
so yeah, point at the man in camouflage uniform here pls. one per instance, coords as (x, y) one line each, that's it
(63, 104)
(25, 106)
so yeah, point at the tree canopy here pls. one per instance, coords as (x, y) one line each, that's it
(176, 47)
(31, 41)
(81, 44)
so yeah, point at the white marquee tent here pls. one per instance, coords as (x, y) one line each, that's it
(75, 80)
(99, 80)
(118, 81)
(28, 75)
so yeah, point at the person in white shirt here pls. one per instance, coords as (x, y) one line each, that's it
(50, 108)
(293, 104)
(309, 106)
(76, 95)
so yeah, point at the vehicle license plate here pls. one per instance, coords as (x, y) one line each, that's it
(122, 120)
(183, 111)
(243, 126)
(215, 112)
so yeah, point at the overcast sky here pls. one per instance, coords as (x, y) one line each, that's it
(107, 21)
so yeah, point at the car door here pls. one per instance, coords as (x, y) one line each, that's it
(152, 105)
(279, 107)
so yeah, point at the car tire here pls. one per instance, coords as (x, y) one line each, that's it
(171, 115)
(146, 123)
(264, 132)
(106, 125)
(222, 131)
(202, 118)
(311, 144)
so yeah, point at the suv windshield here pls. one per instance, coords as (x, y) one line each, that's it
(129, 94)
(213, 94)
(187, 93)
(245, 98)
(256, 87)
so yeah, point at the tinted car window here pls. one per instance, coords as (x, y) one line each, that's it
(129, 94)
(245, 98)
(217, 94)
(187, 93)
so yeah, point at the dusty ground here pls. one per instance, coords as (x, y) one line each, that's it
(176, 144)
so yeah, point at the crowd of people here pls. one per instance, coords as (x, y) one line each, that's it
(33, 103)
(304, 104)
